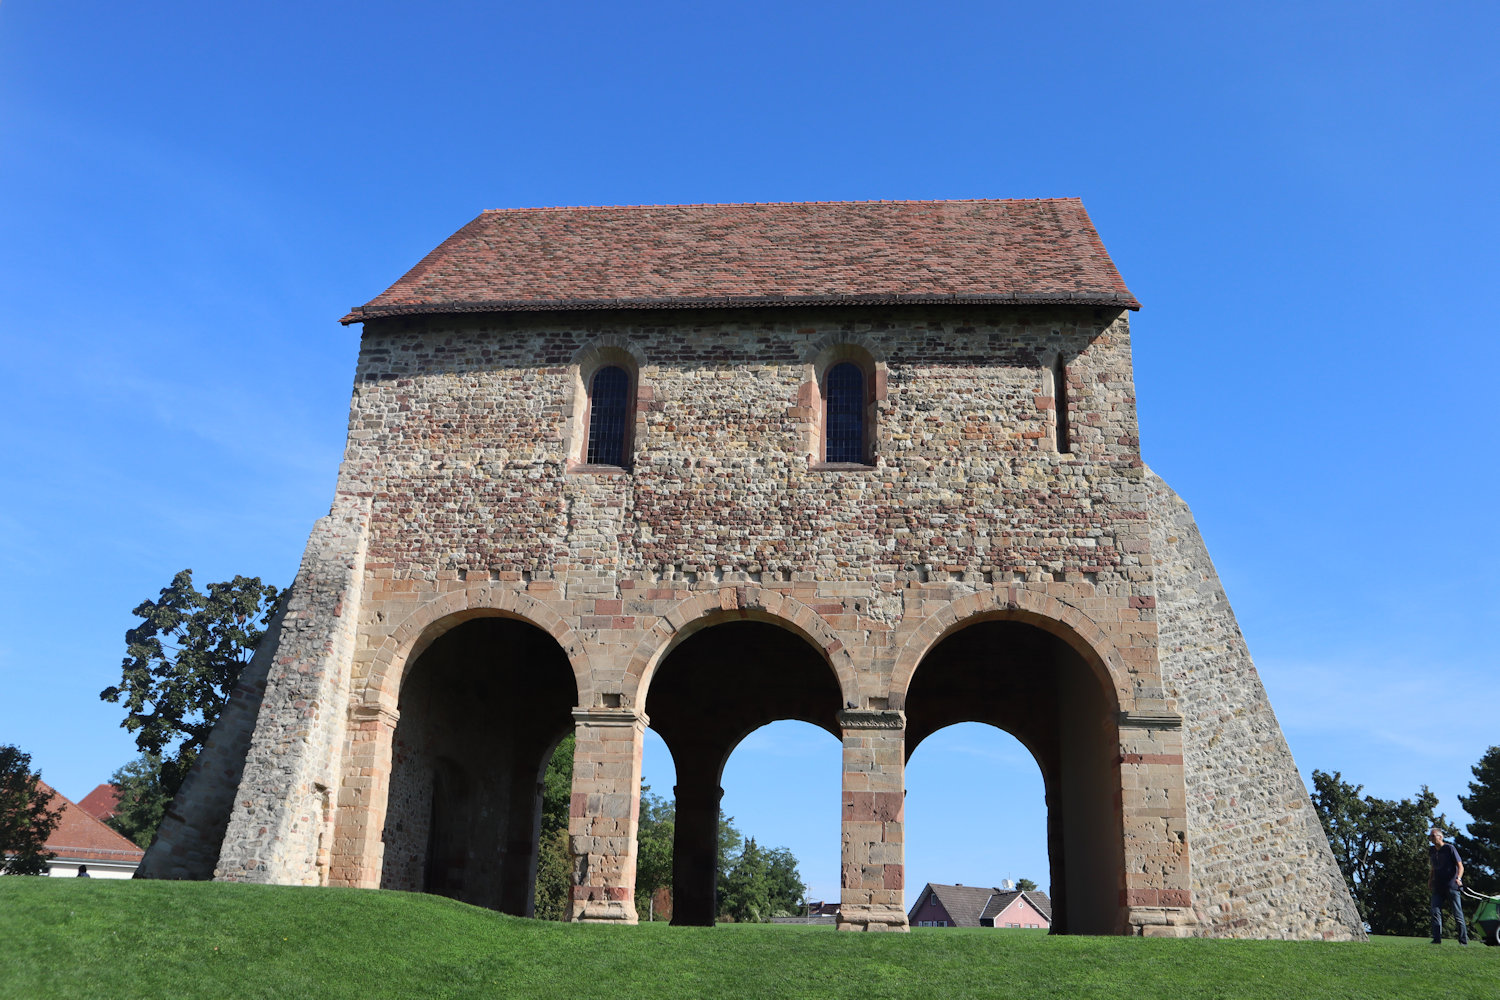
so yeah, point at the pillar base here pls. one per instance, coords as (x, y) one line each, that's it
(605, 911)
(1161, 921)
(872, 917)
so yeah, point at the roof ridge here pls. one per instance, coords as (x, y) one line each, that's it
(784, 204)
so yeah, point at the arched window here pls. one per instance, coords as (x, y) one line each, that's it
(844, 418)
(609, 411)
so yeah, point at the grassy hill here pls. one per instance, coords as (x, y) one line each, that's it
(103, 939)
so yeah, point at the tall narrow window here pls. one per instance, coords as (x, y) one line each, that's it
(845, 422)
(1060, 401)
(609, 404)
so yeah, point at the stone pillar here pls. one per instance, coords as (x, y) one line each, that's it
(1157, 897)
(873, 878)
(695, 849)
(604, 813)
(358, 850)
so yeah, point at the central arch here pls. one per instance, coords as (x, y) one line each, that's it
(713, 688)
(1031, 682)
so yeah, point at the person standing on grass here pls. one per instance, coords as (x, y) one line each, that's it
(83, 872)
(1446, 881)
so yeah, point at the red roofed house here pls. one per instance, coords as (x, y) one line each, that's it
(82, 839)
(980, 906)
(102, 802)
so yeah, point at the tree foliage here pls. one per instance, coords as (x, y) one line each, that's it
(1026, 885)
(142, 799)
(761, 884)
(1381, 848)
(25, 820)
(554, 866)
(181, 663)
(654, 838)
(1481, 848)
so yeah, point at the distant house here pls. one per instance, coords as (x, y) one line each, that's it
(961, 905)
(82, 839)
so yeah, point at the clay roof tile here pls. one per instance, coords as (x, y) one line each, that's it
(782, 254)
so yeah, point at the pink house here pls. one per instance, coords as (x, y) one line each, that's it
(961, 905)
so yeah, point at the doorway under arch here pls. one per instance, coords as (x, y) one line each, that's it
(1034, 685)
(481, 710)
(713, 689)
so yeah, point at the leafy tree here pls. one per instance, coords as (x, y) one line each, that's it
(1381, 848)
(181, 663)
(654, 837)
(143, 801)
(1481, 848)
(554, 866)
(761, 884)
(745, 895)
(1025, 885)
(25, 820)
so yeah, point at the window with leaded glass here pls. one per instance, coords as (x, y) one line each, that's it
(844, 397)
(609, 403)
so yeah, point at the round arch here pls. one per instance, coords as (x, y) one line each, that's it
(382, 689)
(743, 603)
(1065, 621)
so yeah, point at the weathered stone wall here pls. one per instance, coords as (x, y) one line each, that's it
(460, 496)
(281, 827)
(1261, 862)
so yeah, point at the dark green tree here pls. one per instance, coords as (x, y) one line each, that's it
(1381, 848)
(761, 884)
(25, 820)
(1481, 848)
(1026, 885)
(744, 893)
(554, 868)
(143, 802)
(784, 883)
(654, 837)
(181, 663)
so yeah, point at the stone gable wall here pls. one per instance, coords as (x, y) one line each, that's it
(457, 498)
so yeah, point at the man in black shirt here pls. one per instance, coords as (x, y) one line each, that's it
(1446, 880)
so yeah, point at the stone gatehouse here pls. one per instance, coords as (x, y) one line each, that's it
(873, 466)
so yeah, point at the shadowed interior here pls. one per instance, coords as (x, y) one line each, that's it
(718, 686)
(1033, 685)
(481, 710)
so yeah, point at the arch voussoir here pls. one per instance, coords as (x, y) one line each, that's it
(1067, 621)
(737, 603)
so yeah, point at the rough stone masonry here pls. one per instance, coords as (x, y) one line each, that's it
(870, 465)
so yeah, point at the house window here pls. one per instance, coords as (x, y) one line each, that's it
(609, 410)
(844, 421)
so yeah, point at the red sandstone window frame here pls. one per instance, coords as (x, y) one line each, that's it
(872, 374)
(578, 458)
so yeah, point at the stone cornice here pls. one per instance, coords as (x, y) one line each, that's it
(1154, 719)
(872, 718)
(610, 717)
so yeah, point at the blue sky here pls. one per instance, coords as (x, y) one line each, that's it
(1302, 196)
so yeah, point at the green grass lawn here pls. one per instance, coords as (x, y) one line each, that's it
(114, 939)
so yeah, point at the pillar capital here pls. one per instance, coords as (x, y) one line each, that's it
(611, 717)
(873, 718)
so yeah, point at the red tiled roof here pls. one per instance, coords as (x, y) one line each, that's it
(102, 802)
(814, 253)
(80, 836)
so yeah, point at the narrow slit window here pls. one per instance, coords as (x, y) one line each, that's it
(846, 414)
(609, 402)
(1060, 403)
